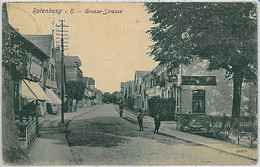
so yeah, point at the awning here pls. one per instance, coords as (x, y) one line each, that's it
(52, 96)
(33, 90)
(26, 92)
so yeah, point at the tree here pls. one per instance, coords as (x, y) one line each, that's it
(106, 97)
(115, 96)
(75, 90)
(223, 33)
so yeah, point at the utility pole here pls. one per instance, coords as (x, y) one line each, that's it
(62, 38)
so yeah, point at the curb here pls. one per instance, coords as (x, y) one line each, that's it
(62, 128)
(200, 144)
(190, 141)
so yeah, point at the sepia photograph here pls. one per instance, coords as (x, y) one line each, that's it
(129, 83)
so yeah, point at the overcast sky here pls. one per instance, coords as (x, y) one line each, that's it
(111, 46)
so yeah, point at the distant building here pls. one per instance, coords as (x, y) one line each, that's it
(138, 103)
(91, 92)
(89, 82)
(72, 67)
(122, 87)
(57, 57)
(128, 93)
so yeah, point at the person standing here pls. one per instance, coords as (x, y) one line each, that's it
(157, 123)
(140, 118)
(121, 108)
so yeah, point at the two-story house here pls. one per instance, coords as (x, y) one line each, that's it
(197, 90)
(46, 44)
(32, 87)
(202, 91)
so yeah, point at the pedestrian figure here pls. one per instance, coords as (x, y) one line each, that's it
(121, 108)
(157, 123)
(140, 118)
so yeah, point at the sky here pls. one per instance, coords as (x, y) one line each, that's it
(111, 46)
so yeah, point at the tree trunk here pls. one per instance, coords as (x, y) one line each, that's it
(75, 109)
(237, 89)
(71, 104)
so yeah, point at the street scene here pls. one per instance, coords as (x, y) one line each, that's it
(101, 137)
(129, 83)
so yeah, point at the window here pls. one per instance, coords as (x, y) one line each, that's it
(198, 101)
(157, 80)
(52, 72)
(49, 74)
(154, 82)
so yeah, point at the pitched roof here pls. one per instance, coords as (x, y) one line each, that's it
(75, 59)
(91, 81)
(141, 74)
(43, 42)
(85, 80)
(147, 75)
(68, 62)
(122, 84)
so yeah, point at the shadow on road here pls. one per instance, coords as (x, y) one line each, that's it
(110, 132)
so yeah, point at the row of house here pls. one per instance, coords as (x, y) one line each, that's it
(91, 95)
(42, 86)
(32, 71)
(194, 89)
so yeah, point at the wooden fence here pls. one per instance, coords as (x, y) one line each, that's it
(28, 131)
(242, 127)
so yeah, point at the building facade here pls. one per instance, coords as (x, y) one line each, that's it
(137, 90)
(195, 90)
(72, 67)
(46, 44)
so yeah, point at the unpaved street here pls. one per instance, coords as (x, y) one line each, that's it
(101, 137)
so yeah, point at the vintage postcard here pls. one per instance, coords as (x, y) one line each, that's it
(121, 83)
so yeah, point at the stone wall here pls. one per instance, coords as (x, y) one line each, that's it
(11, 149)
(12, 152)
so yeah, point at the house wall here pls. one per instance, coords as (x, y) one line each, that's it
(71, 70)
(35, 68)
(219, 97)
(52, 80)
(79, 74)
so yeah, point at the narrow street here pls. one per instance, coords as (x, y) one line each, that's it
(101, 137)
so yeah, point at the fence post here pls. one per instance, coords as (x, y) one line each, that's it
(26, 137)
(224, 126)
(238, 130)
(251, 131)
(37, 125)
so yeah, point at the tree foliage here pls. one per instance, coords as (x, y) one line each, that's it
(112, 98)
(223, 33)
(164, 107)
(15, 56)
(75, 89)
